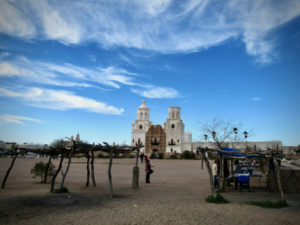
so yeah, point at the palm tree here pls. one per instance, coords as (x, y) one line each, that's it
(235, 133)
(245, 135)
(214, 134)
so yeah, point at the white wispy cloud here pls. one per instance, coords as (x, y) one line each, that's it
(6, 118)
(256, 99)
(14, 22)
(8, 69)
(66, 74)
(69, 75)
(156, 92)
(160, 25)
(60, 100)
(4, 55)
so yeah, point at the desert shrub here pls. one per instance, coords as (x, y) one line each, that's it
(39, 170)
(218, 199)
(61, 190)
(188, 155)
(268, 204)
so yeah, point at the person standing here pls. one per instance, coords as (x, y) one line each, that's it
(215, 173)
(142, 157)
(148, 171)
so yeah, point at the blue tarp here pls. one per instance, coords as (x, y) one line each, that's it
(237, 154)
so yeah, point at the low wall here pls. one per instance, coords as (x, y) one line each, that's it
(290, 180)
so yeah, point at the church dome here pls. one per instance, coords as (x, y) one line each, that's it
(143, 105)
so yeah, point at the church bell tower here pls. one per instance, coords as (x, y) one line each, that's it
(141, 125)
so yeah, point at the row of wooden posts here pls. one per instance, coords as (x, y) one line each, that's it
(77, 148)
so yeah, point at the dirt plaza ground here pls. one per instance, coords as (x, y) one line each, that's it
(176, 195)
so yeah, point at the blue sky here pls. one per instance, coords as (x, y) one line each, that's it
(85, 66)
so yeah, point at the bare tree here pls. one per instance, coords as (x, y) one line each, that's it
(221, 133)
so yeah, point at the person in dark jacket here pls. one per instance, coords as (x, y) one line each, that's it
(142, 157)
(148, 170)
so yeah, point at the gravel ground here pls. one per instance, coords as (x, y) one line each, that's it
(175, 196)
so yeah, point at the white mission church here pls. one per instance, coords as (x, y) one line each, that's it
(171, 138)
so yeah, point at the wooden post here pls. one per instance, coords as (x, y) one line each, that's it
(87, 168)
(47, 168)
(92, 167)
(231, 167)
(68, 166)
(220, 180)
(58, 169)
(223, 173)
(109, 170)
(277, 171)
(211, 180)
(10, 167)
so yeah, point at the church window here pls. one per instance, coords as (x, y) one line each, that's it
(173, 125)
(132, 140)
(178, 140)
(171, 149)
(141, 126)
(139, 141)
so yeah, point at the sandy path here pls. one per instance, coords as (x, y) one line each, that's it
(175, 196)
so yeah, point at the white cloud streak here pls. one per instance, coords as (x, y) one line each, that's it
(159, 25)
(256, 99)
(68, 75)
(156, 92)
(5, 118)
(60, 100)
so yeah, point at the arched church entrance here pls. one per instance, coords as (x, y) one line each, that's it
(154, 154)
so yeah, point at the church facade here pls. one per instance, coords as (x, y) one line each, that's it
(169, 139)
